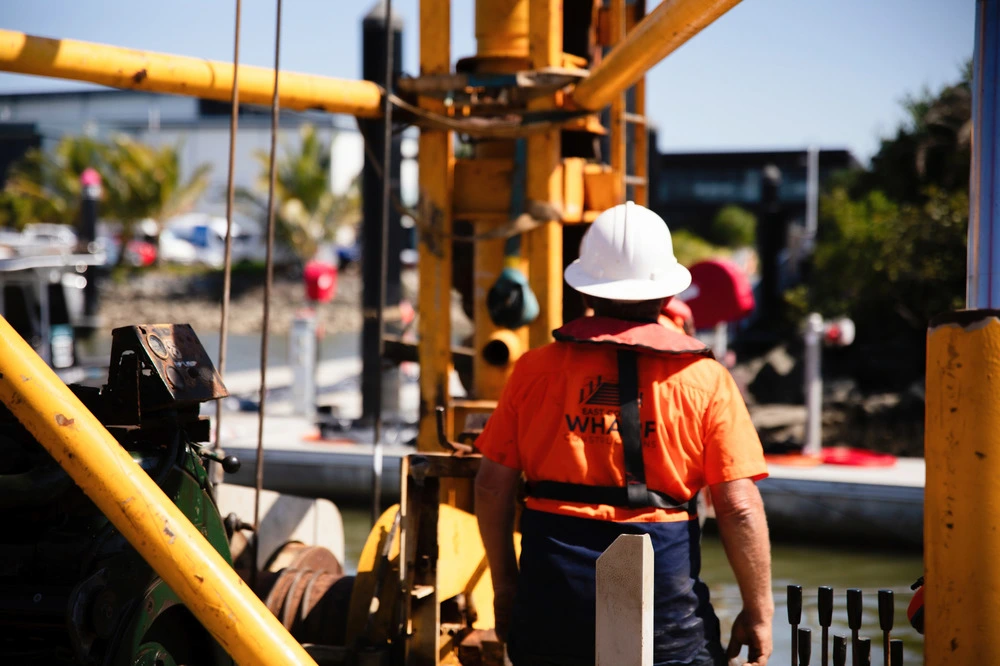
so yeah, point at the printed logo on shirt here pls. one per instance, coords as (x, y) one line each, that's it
(596, 420)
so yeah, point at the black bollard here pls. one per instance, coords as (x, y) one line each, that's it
(805, 646)
(864, 652)
(854, 620)
(794, 617)
(896, 652)
(825, 620)
(839, 651)
(886, 611)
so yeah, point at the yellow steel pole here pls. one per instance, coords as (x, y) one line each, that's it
(164, 537)
(181, 75)
(961, 503)
(437, 166)
(544, 181)
(658, 35)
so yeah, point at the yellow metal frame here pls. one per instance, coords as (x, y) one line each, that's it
(164, 73)
(513, 34)
(164, 537)
(658, 35)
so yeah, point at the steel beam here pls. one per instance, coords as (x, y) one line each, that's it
(181, 75)
(544, 245)
(658, 35)
(983, 269)
(437, 168)
(165, 538)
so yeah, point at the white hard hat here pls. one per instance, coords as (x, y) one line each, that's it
(627, 255)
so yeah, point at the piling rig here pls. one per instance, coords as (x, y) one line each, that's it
(551, 111)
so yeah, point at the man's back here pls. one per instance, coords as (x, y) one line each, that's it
(559, 419)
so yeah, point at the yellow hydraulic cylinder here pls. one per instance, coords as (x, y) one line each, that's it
(962, 495)
(181, 75)
(502, 28)
(164, 537)
(658, 35)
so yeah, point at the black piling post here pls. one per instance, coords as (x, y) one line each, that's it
(864, 652)
(896, 652)
(373, 66)
(825, 620)
(854, 620)
(886, 612)
(805, 646)
(795, 617)
(839, 651)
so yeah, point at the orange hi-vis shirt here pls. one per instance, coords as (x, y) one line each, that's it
(557, 421)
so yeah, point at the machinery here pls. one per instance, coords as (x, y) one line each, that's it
(497, 222)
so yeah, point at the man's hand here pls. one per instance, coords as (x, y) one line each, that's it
(756, 635)
(739, 513)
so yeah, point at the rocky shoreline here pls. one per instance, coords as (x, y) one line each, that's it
(197, 300)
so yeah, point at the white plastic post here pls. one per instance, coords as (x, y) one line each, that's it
(720, 342)
(813, 386)
(303, 360)
(625, 602)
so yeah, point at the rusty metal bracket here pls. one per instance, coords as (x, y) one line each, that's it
(457, 448)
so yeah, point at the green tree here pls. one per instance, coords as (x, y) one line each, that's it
(690, 248)
(734, 227)
(144, 182)
(891, 251)
(307, 212)
(139, 182)
(44, 186)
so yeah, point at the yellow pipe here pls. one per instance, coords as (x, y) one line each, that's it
(658, 35)
(961, 498)
(181, 75)
(140, 510)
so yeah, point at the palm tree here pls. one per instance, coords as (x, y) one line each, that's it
(144, 182)
(307, 212)
(45, 186)
(139, 182)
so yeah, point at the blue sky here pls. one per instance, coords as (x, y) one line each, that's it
(768, 74)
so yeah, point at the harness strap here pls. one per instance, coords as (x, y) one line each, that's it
(630, 429)
(608, 495)
(635, 494)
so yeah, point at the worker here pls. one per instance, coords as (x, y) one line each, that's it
(677, 316)
(616, 426)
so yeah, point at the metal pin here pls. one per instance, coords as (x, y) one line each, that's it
(854, 621)
(864, 652)
(886, 611)
(805, 646)
(825, 620)
(839, 651)
(896, 652)
(794, 617)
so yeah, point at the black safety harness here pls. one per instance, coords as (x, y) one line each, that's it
(635, 493)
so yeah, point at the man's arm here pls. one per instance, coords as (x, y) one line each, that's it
(496, 488)
(739, 512)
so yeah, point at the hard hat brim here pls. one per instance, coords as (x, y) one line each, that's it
(676, 280)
